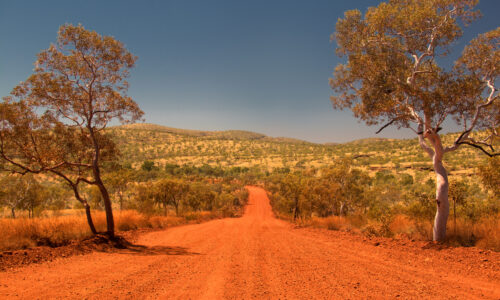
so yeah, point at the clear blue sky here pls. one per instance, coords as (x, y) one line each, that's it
(213, 65)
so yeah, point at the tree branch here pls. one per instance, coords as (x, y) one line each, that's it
(386, 125)
(491, 98)
(480, 148)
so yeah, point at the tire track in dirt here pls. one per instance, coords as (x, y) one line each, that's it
(260, 257)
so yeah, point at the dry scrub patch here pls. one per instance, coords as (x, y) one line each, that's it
(25, 241)
(484, 234)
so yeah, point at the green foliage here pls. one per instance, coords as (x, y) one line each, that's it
(490, 175)
(148, 165)
(94, 197)
(23, 193)
(392, 77)
(181, 155)
(391, 72)
(53, 123)
(344, 191)
(186, 195)
(338, 190)
(406, 180)
(373, 191)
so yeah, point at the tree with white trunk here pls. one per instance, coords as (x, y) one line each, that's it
(392, 77)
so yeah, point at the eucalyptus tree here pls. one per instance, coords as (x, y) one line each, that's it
(11, 193)
(170, 191)
(54, 121)
(118, 180)
(490, 176)
(21, 192)
(393, 77)
(293, 187)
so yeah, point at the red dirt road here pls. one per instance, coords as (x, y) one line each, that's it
(260, 257)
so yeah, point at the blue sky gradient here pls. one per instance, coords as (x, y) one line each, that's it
(255, 65)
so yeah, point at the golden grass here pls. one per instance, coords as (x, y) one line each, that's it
(24, 233)
(483, 234)
(403, 226)
(331, 223)
(488, 234)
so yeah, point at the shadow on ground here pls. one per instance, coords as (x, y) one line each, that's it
(155, 250)
(120, 245)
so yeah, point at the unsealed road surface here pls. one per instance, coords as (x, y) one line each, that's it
(260, 257)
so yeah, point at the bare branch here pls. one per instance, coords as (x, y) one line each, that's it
(461, 139)
(82, 179)
(480, 148)
(386, 125)
(361, 155)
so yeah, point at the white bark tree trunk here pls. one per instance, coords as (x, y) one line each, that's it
(443, 206)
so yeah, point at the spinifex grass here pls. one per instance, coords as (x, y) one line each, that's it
(484, 233)
(54, 231)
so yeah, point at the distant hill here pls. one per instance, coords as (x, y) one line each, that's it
(369, 141)
(161, 144)
(226, 134)
(232, 134)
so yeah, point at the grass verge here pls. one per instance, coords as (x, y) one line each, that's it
(25, 233)
(484, 233)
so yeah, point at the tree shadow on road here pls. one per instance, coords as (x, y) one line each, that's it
(121, 245)
(154, 250)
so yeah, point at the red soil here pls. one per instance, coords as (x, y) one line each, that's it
(260, 257)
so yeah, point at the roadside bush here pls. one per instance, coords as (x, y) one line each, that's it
(331, 223)
(385, 204)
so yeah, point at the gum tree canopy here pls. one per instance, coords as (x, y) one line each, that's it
(392, 77)
(54, 122)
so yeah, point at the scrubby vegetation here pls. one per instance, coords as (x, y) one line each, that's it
(164, 173)
(391, 204)
(48, 215)
(60, 230)
(154, 146)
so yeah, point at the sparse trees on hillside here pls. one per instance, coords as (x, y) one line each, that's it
(9, 194)
(21, 192)
(118, 182)
(392, 77)
(54, 121)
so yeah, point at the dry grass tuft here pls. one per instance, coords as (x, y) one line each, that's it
(24, 233)
(488, 234)
(130, 220)
(164, 222)
(200, 216)
(483, 234)
(402, 225)
(332, 223)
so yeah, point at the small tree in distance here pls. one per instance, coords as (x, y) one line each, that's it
(392, 77)
(54, 121)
